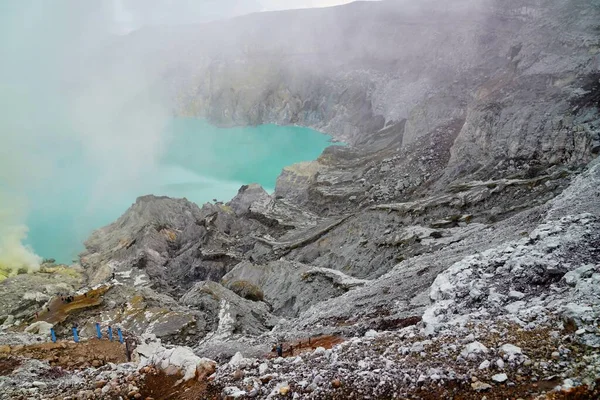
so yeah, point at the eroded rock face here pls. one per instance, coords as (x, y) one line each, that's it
(138, 245)
(291, 287)
(249, 196)
(226, 313)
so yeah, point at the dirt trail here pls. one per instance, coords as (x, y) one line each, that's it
(71, 355)
(291, 349)
(160, 386)
(60, 310)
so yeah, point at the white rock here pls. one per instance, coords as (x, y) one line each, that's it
(576, 311)
(480, 386)
(371, 334)
(470, 338)
(36, 296)
(515, 307)
(473, 348)
(441, 288)
(238, 360)
(233, 392)
(39, 327)
(475, 294)
(263, 368)
(500, 363)
(183, 358)
(500, 378)
(513, 294)
(318, 379)
(510, 349)
(417, 347)
(254, 384)
(572, 277)
(495, 297)
(484, 365)
(568, 384)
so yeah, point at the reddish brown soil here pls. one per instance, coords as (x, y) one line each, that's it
(160, 386)
(70, 355)
(8, 365)
(291, 349)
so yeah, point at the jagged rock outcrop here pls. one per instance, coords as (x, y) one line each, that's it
(139, 244)
(226, 313)
(291, 287)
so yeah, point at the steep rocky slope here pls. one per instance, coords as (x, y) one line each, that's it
(456, 232)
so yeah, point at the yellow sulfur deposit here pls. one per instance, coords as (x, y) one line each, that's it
(15, 258)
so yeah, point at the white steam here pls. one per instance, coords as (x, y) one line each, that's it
(63, 91)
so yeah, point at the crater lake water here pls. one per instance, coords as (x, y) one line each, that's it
(200, 162)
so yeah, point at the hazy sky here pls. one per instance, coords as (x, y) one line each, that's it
(132, 14)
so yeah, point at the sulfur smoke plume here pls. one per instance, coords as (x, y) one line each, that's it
(14, 256)
(68, 101)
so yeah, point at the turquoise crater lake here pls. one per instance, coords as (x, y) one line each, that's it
(200, 162)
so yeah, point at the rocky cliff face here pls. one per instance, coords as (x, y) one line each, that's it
(464, 208)
(469, 90)
(503, 68)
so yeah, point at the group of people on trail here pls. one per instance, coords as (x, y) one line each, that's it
(279, 347)
(67, 299)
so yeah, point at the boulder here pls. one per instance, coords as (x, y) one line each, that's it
(474, 348)
(39, 327)
(510, 349)
(172, 360)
